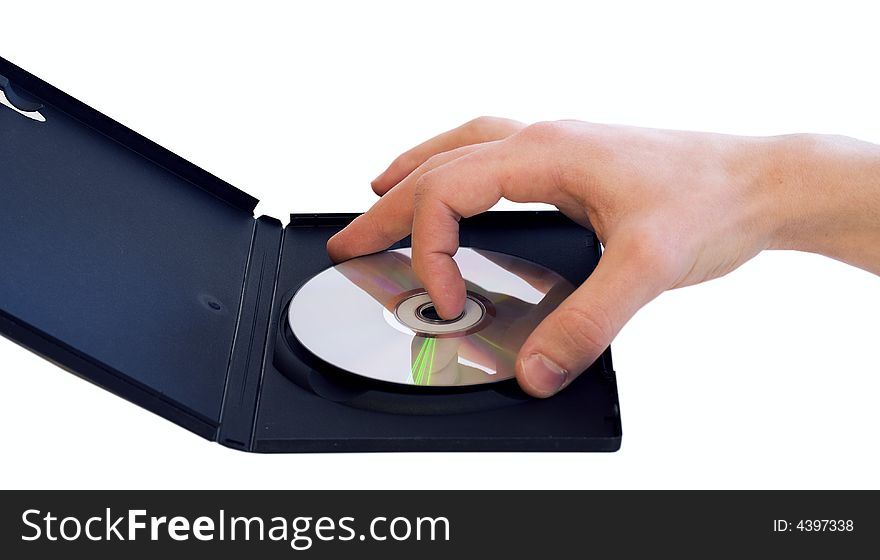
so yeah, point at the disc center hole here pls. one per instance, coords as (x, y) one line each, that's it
(428, 313)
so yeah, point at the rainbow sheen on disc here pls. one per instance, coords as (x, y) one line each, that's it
(372, 317)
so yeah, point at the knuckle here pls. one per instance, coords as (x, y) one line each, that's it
(585, 329)
(423, 184)
(479, 124)
(653, 251)
(545, 131)
(424, 187)
(403, 161)
(434, 161)
(377, 226)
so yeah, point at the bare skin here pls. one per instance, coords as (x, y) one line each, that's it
(672, 209)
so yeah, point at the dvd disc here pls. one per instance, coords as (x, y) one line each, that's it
(371, 316)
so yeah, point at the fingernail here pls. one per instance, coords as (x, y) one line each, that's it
(376, 180)
(543, 374)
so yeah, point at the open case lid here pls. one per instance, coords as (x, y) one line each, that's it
(118, 259)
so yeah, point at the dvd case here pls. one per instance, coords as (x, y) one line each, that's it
(141, 272)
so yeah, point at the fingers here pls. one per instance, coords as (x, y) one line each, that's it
(516, 169)
(390, 219)
(571, 338)
(477, 131)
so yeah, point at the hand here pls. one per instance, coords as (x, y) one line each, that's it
(671, 208)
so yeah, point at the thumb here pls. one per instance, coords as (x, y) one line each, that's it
(571, 338)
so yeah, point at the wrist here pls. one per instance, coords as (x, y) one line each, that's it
(823, 196)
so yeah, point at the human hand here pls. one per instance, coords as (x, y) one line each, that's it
(671, 208)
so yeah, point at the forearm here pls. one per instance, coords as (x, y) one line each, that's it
(826, 197)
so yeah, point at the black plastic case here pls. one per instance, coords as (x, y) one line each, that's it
(150, 277)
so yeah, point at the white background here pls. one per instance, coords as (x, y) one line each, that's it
(767, 378)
